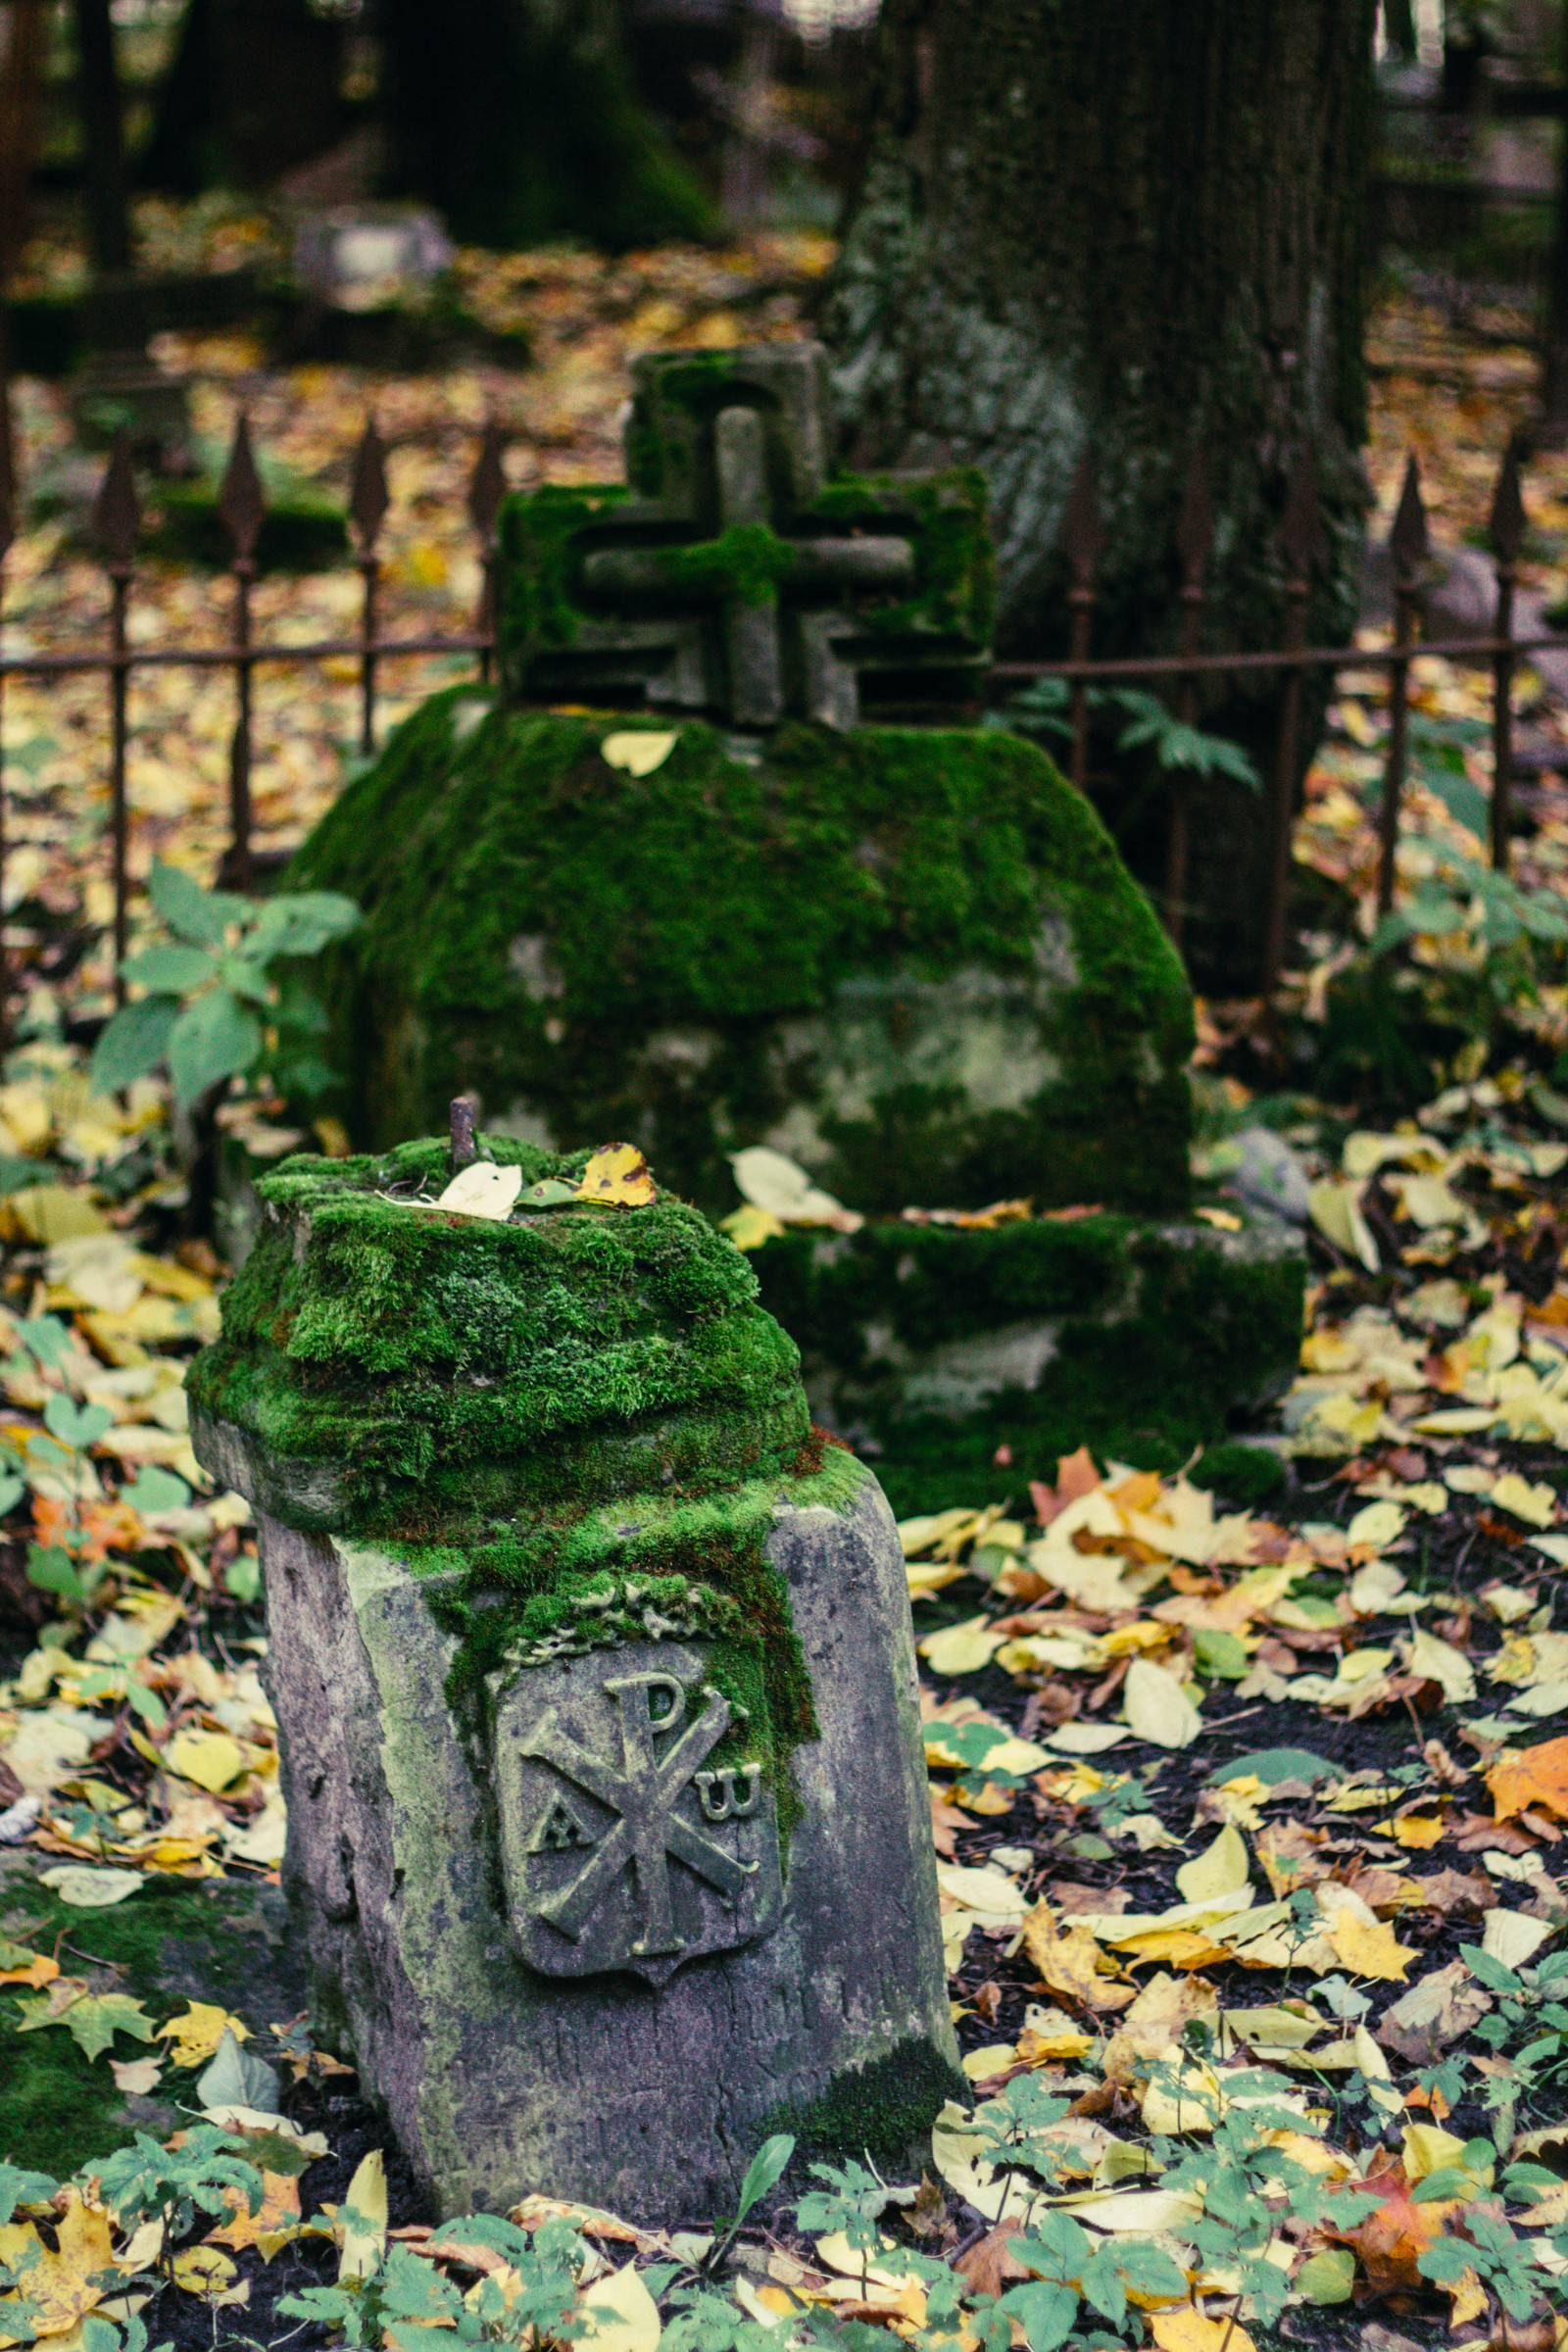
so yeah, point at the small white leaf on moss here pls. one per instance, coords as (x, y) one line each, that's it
(483, 1191)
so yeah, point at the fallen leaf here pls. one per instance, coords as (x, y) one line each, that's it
(210, 1759)
(1395, 2234)
(1537, 1776)
(21, 1967)
(1536, 1505)
(62, 2282)
(362, 2220)
(616, 1177)
(136, 2077)
(1370, 1951)
(990, 2264)
(1157, 1709)
(1185, 2328)
(639, 752)
(196, 2035)
(90, 1889)
(962, 1648)
(1439, 1662)
(206, 2270)
(1513, 1936)
(482, 1191)
(621, 2314)
(770, 1180)
(1073, 1965)
(1219, 1870)
(1327, 2276)
(1438, 2010)
(279, 2212)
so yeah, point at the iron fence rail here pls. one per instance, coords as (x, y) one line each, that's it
(116, 524)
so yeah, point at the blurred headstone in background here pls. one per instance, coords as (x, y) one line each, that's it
(359, 256)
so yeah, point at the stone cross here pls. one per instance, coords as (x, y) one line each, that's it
(737, 575)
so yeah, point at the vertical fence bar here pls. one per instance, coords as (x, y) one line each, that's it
(1506, 530)
(242, 506)
(1298, 538)
(1194, 540)
(115, 526)
(7, 532)
(1082, 537)
(1407, 546)
(368, 505)
(486, 490)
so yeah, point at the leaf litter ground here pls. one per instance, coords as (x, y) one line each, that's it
(1116, 1670)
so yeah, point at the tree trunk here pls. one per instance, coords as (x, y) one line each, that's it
(102, 161)
(520, 121)
(1133, 230)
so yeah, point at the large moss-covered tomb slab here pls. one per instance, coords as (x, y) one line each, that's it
(595, 1679)
(909, 958)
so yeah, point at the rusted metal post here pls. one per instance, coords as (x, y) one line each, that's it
(1082, 538)
(1506, 531)
(117, 526)
(1407, 545)
(1194, 540)
(1299, 540)
(368, 505)
(242, 505)
(486, 490)
(465, 1150)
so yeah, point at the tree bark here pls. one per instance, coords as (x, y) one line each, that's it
(1134, 230)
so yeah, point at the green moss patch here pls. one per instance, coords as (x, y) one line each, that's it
(909, 958)
(882, 2111)
(174, 1941)
(941, 1345)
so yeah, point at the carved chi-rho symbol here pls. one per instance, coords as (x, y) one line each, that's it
(737, 573)
(643, 1795)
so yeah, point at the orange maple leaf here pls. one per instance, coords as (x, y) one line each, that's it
(1537, 1776)
(279, 2212)
(1395, 2234)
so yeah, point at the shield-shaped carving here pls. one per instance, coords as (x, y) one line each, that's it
(624, 1845)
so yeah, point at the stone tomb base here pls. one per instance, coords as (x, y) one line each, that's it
(565, 1954)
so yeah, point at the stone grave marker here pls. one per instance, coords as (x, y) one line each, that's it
(750, 881)
(609, 1837)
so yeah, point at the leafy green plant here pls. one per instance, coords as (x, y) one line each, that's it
(1529, 2025)
(852, 2202)
(764, 2172)
(171, 2185)
(1177, 746)
(1248, 2187)
(404, 2295)
(215, 1007)
(1482, 2242)
(1070, 2269)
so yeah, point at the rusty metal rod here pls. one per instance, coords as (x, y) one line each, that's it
(1080, 596)
(1503, 721)
(119, 692)
(239, 764)
(1312, 657)
(370, 566)
(1393, 766)
(222, 656)
(1282, 813)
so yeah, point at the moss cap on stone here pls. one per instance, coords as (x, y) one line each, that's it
(393, 1369)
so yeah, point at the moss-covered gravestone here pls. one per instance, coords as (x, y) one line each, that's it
(783, 899)
(607, 1825)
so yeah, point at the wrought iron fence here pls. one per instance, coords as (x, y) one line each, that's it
(117, 520)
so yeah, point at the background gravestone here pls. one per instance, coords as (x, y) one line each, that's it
(906, 954)
(608, 1836)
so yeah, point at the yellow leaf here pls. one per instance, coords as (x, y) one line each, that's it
(1184, 2095)
(1336, 1210)
(638, 753)
(277, 2217)
(1419, 1830)
(1470, 2299)
(1184, 2328)
(135, 2077)
(1074, 1964)
(1157, 1709)
(36, 1970)
(616, 1177)
(483, 1191)
(1428, 2148)
(197, 2035)
(362, 2220)
(749, 1227)
(60, 2282)
(961, 1649)
(211, 1759)
(1377, 1523)
(621, 2314)
(1219, 1870)
(1537, 1504)
(1370, 1951)
(204, 2271)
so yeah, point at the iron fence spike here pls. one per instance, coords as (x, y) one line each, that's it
(1506, 525)
(488, 486)
(1083, 534)
(1195, 526)
(116, 510)
(368, 498)
(1408, 543)
(242, 499)
(1300, 532)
